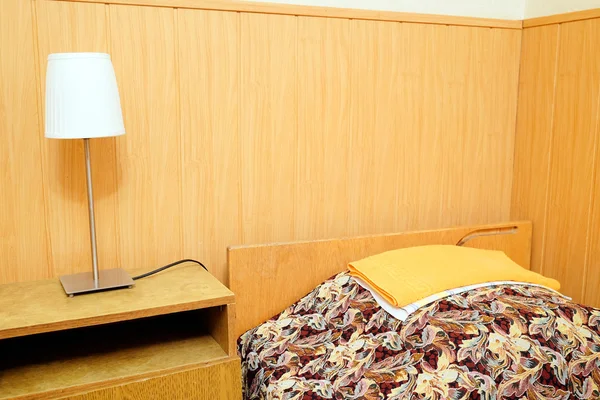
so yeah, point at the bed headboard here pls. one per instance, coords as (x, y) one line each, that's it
(266, 279)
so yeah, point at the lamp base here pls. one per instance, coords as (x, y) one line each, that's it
(108, 279)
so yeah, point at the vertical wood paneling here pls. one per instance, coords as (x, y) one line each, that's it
(571, 161)
(23, 240)
(468, 117)
(428, 93)
(454, 65)
(534, 132)
(488, 118)
(247, 127)
(148, 156)
(323, 128)
(374, 138)
(73, 27)
(420, 104)
(591, 294)
(268, 126)
(556, 179)
(209, 90)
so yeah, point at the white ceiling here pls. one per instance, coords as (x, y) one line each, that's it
(501, 9)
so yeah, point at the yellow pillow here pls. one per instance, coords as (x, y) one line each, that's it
(407, 275)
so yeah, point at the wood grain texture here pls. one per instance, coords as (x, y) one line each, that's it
(571, 162)
(533, 136)
(220, 322)
(562, 18)
(591, 294)
(480, 132)
(442, 195)
(189, 287)
(313, 11)
(238, 131)
(101, 357)
(556, 179)
(402, 175)
(149, 155)
(269, 120)
(220, 381)
(488, 118)
(23, 239)
(374, 134)
(209, 66)
(322, 188)
(74, 27)
(295, 269)
(421, 154)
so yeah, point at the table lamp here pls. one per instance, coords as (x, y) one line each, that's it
(82, 102)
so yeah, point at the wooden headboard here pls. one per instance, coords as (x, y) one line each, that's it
(266, 279)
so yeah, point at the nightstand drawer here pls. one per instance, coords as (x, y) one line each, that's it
(220, 381)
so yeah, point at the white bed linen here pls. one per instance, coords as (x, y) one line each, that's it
(402, 313)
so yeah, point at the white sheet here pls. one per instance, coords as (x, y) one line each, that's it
(402, 313)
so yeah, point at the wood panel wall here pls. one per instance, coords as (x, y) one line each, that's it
(247, 127)
(556, 181)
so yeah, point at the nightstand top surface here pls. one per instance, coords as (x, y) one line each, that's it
(35, 307)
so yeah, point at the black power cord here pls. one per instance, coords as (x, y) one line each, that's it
(156, 271)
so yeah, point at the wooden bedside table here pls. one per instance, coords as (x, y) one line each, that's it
(169, 337)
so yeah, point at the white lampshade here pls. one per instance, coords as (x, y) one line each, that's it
(82, 97)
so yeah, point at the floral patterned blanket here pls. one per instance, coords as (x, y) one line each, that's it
(504, 342)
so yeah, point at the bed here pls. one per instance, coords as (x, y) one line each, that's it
(307, 330)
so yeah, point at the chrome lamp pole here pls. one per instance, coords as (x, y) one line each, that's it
(82, 102)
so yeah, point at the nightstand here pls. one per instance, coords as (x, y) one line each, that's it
(168, 337)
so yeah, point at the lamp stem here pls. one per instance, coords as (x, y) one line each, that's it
(90, 196)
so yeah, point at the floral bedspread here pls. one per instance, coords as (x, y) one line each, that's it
(504, 342)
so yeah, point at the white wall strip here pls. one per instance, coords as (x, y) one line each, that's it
(499, 9)
(542, 8)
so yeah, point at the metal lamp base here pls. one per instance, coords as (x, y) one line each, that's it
(107, 280)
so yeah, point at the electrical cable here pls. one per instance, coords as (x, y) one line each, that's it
(156, 271)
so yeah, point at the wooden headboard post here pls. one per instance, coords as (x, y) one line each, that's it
(266, 279)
